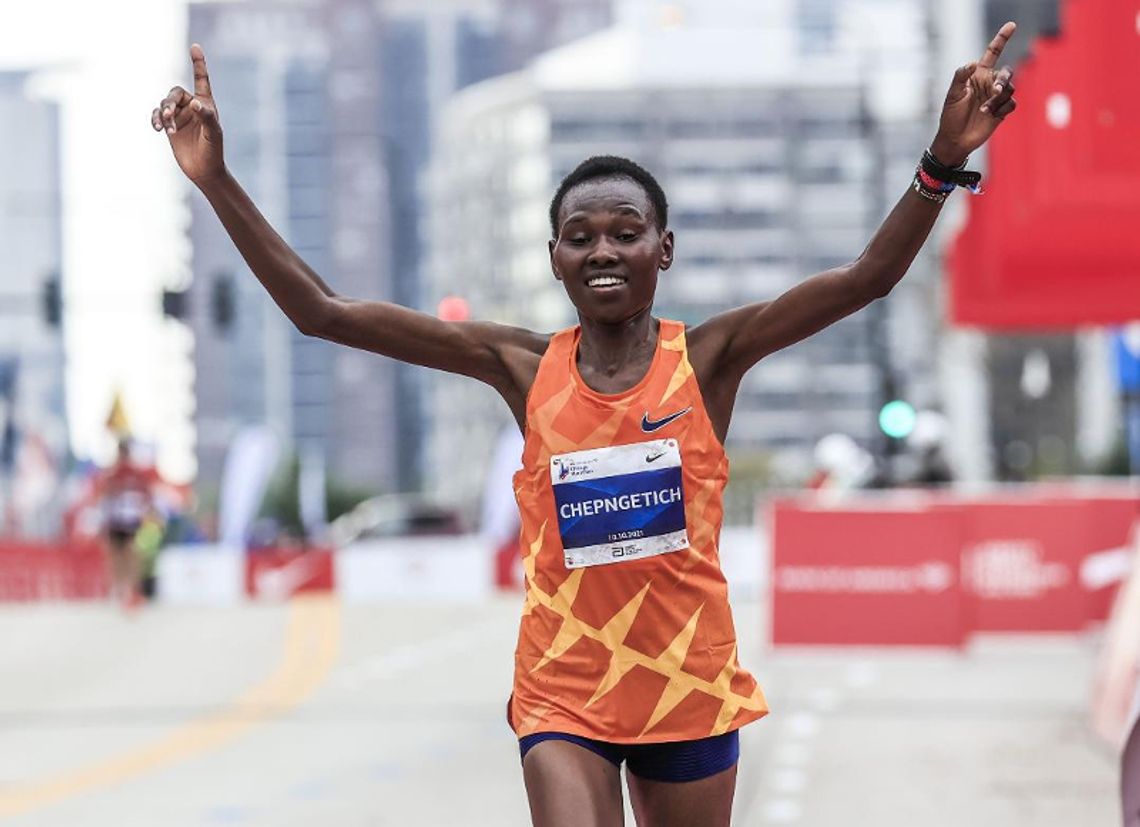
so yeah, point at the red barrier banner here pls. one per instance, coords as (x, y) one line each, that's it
(866, 577)
(32, 572)
(276, 574)
(1020, 564)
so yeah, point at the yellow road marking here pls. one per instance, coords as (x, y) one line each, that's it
(312, 646)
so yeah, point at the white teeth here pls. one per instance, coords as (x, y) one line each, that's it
(605, 281)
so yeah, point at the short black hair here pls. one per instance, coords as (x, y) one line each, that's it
(612, 166)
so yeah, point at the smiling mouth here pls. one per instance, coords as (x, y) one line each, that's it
(603, 282)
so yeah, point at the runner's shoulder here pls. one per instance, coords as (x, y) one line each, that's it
(517, 353)
(709, 342)
(508, 339)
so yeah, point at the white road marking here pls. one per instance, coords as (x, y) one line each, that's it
(802, 725)
(825, 699)
(788, 781)
(782, 811)
(792, 754)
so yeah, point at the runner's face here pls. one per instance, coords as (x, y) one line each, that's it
(609, 250)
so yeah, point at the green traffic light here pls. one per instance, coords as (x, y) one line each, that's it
(897, 419)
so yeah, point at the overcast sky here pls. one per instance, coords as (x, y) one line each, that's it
(109, 63)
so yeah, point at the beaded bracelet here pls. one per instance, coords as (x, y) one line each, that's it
(938, 196)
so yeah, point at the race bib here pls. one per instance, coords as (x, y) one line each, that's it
(624, 502)
(126, 507)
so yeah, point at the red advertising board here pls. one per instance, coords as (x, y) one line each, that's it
(1046, 558)
(31, 571)
(276, 574)
(1021, 565)
(867, 577)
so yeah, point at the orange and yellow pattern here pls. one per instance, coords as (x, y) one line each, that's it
(637, 651)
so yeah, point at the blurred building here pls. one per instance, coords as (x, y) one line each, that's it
(329, 114)
(531, 27)
(780, 139)
(32, 430)
(428, 52)
(1035, 18)
(297, 86)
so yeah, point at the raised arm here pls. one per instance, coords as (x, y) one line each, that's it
(503, 357)
(980, 97)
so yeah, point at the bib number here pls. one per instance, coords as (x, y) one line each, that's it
(620, 503)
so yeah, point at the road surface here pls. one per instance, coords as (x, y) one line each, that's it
(313, 712)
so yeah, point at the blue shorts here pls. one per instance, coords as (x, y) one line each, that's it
(670, 761)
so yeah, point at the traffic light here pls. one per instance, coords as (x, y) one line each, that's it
(175, 304)
(897, 419)
(52, 301)
(9, 368)
(222, 305)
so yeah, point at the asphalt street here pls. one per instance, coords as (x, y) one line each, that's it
(313, 713)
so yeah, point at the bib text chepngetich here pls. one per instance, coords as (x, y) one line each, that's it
(619, 503)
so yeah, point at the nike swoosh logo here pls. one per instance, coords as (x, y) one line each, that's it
(655, 457)
(650, 425)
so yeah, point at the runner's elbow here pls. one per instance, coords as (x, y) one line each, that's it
(873, 283)
(882, 289)
(316, 321)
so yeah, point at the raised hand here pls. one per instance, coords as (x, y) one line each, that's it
(191, 123)
(980, 98)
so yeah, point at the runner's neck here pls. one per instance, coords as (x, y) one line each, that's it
(607, 351)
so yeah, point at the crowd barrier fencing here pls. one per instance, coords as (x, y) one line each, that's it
(908, 569)
(46, 571)
(852, 576)
(936, 568)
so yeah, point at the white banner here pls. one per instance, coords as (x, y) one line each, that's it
(311, 492)
(200, 575)
(249, 464)
(403, 569)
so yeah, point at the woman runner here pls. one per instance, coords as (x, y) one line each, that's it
(626, 647)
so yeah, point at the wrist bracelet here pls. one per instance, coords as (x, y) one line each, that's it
(938, 196)
(955, 176)
(934, 184)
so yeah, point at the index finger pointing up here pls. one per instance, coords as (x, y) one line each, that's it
(997, 45)
(201, 76)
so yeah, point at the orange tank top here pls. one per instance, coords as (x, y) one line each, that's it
(626, 634)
